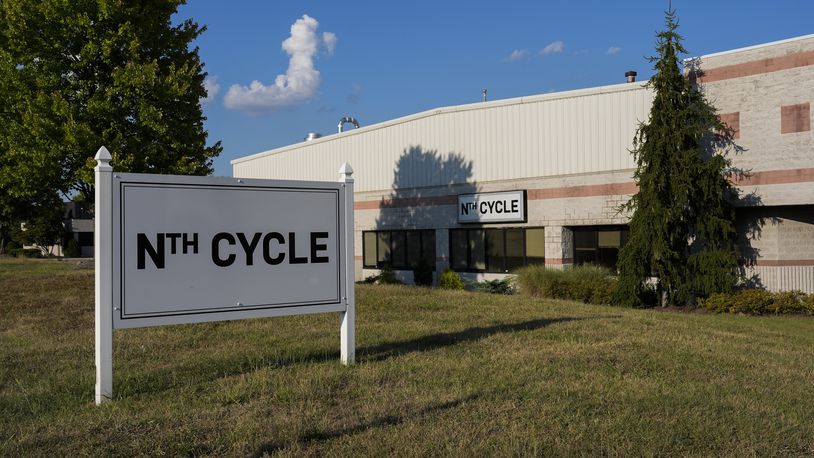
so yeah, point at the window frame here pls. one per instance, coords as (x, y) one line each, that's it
(504, 249)
(595, 249)
(422, 236)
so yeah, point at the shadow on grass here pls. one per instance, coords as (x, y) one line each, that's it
(210, 369)
(420, 344)
(447, 339)
(168, 378)
(380, 422)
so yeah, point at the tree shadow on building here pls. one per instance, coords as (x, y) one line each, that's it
(749, 219)
(423, 181)
(423, 196)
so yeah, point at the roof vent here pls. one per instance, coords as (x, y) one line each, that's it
(631, 76)
(346, 120)
(312, 136)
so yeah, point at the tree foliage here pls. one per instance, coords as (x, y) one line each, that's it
(75, 75)
(43, 225)
(682, 231)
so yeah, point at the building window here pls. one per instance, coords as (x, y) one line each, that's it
(398, 249)
(599, 244)
(496, 250)
(85, 238)
(795, 118)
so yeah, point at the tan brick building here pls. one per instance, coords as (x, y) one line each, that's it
(566, 156)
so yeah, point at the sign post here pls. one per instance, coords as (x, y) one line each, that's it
(188, 249)
(103, 252)
(348, 317)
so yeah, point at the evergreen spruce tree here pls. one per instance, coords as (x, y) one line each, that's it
(682, 231)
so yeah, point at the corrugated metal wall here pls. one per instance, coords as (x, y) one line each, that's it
(556, 134)
(785, 278)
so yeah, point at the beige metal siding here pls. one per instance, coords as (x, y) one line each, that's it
(785, 278)
(567, 133)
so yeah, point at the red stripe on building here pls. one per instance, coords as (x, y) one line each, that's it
(583, 191)
(758, 67)
(608, 189)
(785, 262)
(777, 177)
(558, 261)
(405, 202)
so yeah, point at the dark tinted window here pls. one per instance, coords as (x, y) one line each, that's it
(599, 244)
(85, 239)
(399, 249)
(496, 250)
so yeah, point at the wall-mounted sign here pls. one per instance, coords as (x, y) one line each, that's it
(492, 207)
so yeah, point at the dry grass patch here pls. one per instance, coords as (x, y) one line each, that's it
(439, 373)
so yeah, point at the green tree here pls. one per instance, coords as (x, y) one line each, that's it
(79, 74)
(42, 224)
(682, 231)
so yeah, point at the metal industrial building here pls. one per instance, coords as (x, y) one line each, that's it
(567, 155)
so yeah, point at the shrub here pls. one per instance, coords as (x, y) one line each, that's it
(12, 247)
(369, 280)
(499, 286)
(422, 273)
(786, 302)
(590, 284)
(28, 252)
(530, 280)
(387, 276)
(758, 302)
(72, 249)
(808, 304)
(449, 279)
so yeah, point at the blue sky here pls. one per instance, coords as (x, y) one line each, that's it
(378, 60)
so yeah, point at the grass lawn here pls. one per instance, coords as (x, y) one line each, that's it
(438, 373)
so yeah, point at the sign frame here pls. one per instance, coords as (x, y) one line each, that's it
(475, 198)
(236, 309)
(109, 272)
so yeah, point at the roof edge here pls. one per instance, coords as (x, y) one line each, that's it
(750, 48)
(451, 109)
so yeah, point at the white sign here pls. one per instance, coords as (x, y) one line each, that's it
(493, 207)
(192, 249)
(180, 249)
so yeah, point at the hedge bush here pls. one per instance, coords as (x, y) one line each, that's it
(25, 252)
(449, 279)
(422, 273)
(12, 246)
(590, 284)
(760, 302)
(386, 276)
(499, 286)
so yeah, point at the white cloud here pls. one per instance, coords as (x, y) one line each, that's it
(212, 89)
(613, 50)
(553, 48)
(517, 54)
(299, 83)
(329, 39)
